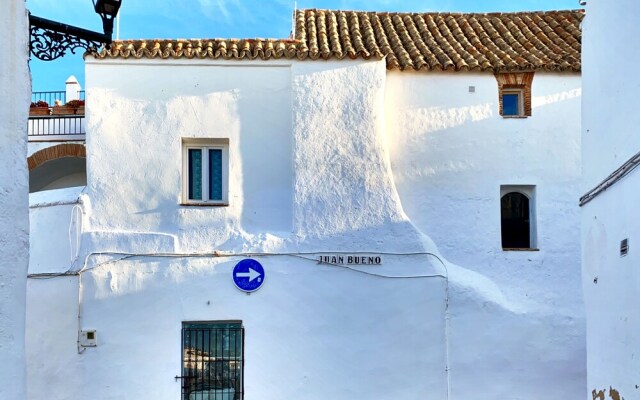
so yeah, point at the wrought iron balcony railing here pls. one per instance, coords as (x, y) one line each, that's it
(56, 127)
(51, 97)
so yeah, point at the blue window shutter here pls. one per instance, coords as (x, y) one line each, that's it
(510, 104)
(195, 174)
(215, 174)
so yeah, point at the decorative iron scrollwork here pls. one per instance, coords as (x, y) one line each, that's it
(48, 45)
(51, 40)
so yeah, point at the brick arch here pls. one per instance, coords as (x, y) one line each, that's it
(54, 152)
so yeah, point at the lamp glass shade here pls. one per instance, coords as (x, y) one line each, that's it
(108, 8)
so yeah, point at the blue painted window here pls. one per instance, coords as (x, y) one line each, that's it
(511, 104)
(205, 172)
(195, 174)
(215, 174)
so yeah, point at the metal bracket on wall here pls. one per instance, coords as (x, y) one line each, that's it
(51, 40)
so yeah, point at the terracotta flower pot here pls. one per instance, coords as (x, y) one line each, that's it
(63, 110)
(39, 111)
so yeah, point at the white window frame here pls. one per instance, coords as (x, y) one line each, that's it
(520, 94)
(205, 145)
(528, 191)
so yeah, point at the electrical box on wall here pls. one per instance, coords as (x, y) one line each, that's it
(88, 338)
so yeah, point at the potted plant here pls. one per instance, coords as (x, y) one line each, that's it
(40, 107)
(78, 106)
(60, 109)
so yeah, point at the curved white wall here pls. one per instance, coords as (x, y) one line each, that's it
(14, 189)
(450, 153)
(312, 180)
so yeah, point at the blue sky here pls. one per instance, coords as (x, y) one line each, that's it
(226, 19)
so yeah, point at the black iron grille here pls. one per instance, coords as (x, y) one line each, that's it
(624, 247)
(212, 361)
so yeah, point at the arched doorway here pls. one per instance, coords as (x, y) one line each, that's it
(57, 167)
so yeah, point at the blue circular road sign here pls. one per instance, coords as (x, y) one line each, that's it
(248, 275)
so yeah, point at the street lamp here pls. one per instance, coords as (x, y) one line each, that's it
(51, 40)
(107, 9)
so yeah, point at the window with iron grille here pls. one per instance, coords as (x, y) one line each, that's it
(212, 361)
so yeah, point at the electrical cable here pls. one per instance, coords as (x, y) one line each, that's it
(217, 254)
(300, 255)
(371, 273)
(624, 170)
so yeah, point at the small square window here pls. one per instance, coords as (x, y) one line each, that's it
(212, 360)
(514, 94)
(512, 103)
(205, 171)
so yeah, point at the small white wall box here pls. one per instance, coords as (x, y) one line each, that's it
(88, 338)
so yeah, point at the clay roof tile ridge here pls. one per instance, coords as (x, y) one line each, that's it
(527, 40)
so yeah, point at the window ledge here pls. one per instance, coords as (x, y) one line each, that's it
(205, 204)
(515, 116)
(519, 249)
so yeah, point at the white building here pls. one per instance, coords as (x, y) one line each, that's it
(610, 220)
(430, 161)
(56, 135)
(14, 212)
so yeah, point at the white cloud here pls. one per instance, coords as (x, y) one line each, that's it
(213, 8)
(227, 11)
(372, 5)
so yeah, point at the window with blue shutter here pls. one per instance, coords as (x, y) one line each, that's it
(215, 174)
(205, 171)
(510, 104)
(195, 174)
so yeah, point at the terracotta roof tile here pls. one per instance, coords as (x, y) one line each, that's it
(525, 41)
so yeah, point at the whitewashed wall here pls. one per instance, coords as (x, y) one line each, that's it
(313, 331)
(54, 225)
(320, 155)
(251, 106)
(14, 190)
(609, 128)
(450, 153)
(52, 302)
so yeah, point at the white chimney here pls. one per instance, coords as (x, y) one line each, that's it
(73, 88)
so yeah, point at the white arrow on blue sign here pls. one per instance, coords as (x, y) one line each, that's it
(248, 275)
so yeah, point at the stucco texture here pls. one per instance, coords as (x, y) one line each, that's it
(609, 131)
(451, 152)
(14, 222)
(324, 158)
